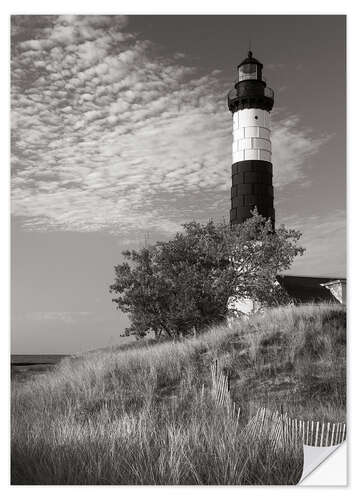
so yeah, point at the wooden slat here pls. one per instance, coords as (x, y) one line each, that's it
(322, 433)
(327, 433)
(333, 435)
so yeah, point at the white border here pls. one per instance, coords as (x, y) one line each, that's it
(161, 7)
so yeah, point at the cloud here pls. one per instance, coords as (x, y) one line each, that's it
(55, 316)
(110, 135)
(293, 146)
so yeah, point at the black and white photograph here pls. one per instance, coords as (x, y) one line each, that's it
(178, 248)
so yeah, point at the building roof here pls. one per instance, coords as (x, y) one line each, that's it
(307, 288)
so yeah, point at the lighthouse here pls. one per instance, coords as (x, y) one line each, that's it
(250, 103)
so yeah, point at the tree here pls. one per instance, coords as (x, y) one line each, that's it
(183, 285)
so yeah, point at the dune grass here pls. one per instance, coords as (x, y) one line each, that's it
(138, 416)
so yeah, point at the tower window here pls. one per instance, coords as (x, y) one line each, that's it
(256, 117)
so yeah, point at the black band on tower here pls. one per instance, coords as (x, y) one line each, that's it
(252, 186)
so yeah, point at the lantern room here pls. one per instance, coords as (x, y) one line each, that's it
(250, 69)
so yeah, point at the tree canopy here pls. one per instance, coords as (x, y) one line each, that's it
(181, 286)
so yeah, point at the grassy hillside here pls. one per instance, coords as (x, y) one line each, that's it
(138, 416)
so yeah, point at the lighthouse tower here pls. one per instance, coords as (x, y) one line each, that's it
(252, 173)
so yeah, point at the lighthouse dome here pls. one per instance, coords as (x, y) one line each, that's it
(250, 59)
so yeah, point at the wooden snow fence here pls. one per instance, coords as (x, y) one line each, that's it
(221, 391)
(284, 431)
(274, 426)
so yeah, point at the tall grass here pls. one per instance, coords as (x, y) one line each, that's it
(138, 416)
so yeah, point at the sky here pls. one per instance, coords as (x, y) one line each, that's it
(121, 133)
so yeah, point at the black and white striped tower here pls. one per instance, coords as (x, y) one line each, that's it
(252, 174)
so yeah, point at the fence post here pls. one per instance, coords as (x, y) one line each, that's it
(332, 442)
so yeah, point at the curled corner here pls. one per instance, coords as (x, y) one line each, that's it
(314, 456)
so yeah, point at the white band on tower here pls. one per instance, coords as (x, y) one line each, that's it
(251, 135)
